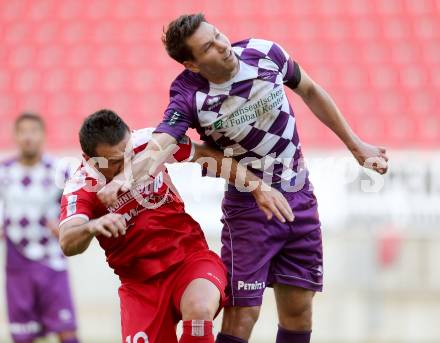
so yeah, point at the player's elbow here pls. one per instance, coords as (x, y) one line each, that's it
(67, 247)
(68, 253)
(310, 92)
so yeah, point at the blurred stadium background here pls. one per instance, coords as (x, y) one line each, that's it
(379, 59)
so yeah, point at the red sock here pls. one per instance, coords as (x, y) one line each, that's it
(197, 331)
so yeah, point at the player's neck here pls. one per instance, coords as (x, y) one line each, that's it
(224, 77)
(29, 161)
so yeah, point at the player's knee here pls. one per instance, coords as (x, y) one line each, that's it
(297, 317)
(197, 308)
(251, 314)
(238, 321)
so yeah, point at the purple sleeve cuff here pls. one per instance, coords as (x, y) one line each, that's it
(165, 128)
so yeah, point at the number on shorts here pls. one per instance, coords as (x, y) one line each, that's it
(136, 337)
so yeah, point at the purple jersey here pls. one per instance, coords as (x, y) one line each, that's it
(249, 116)
(30, 200)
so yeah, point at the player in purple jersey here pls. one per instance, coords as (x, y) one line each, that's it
(37, 285)
(234, 95)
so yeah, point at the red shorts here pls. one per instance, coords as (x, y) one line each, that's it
(150, 310)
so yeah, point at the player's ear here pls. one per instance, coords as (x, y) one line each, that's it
(190, 65)
(85, 157)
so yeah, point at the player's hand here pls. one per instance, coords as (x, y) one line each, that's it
(273, 202)
(371, 157)
(108, 194)
(110, 225)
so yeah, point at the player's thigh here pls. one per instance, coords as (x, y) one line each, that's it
(199, 286)
(200, 300)
(146, 312)
(250, 242)
(55, 301)
(300, 262)
(24, 321)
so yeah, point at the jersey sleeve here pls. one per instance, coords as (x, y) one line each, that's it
(184, 151)
(288, 67)
(78, 204)
(178, 116)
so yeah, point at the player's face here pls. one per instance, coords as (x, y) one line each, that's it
(212, 51)
(114, 155)
(29, 136)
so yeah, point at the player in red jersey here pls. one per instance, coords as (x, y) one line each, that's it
(159, 252)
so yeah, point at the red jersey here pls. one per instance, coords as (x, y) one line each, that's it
(160, 234)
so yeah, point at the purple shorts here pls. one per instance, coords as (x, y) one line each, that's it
(39, 302)
(259, 253)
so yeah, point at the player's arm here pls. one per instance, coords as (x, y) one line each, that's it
(77, 233)
(268, 199)
(323, 106)
(178, 117)
(144, 164)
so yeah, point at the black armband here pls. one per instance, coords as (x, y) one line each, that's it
(294, 81)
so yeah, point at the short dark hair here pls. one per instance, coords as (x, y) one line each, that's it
(29, 116)
(175, 36)
(101, 127)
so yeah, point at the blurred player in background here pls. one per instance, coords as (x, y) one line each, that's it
(159, 252)
(234, 96)
(37, 285)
